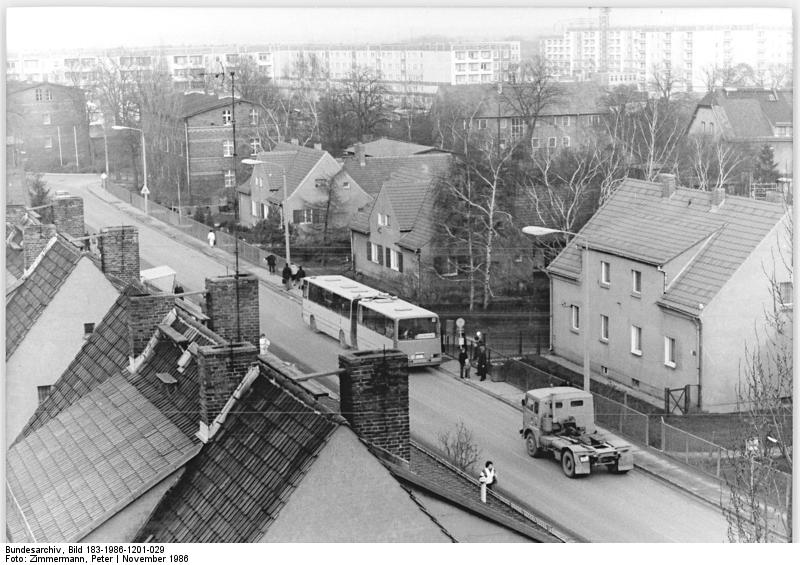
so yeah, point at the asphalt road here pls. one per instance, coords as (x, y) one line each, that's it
(600, 508)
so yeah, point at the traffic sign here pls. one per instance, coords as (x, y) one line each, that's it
(145, 191)
(460, 323)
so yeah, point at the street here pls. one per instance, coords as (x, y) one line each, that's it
(600, 508)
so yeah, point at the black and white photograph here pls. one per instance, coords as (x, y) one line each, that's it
(409, 274)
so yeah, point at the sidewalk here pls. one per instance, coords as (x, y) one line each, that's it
(646, 459)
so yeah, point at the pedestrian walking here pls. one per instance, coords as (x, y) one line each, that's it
(263, 344)
(212, 238)
(300, 275)
(286, 276)
(271, 260)
(481, 362)
(462, 361)
(489, 475)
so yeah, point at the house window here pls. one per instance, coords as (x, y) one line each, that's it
(38, 92)
(576, 317)
(636, 281)
(604, 328)
(46, 119)
(253, 117)
(255, 145)
(226, 117)
(43, 392)
(669, 351)
(254, 209)
(346, 185)
(563, 121)
(396, 263)
(320, 183)
(375, 253)
(230, 179)
(565, 141)
(48, 142)
(605, 273)
(551, 142)
(711, 128)
(227, 148)
(482, 123)
(636, 340)
(48, 96)
(785, 290)
(534, 143)
(516, 128)
(383, 219)
(264, 210)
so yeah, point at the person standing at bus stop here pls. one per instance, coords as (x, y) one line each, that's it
(271, 260)
(481, 362)
(463, 362)
(286, 276)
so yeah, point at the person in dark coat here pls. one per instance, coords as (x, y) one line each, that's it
(463, 362)
(300, 274)
(286, 276)
(481, 366)
(271, 260)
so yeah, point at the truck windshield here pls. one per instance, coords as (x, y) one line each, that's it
(418, 328)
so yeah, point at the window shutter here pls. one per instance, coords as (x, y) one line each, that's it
(369, 251)
(389, 257)
(380, 255)
(400, 261)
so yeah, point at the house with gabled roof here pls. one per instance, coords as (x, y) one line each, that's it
(315, 187)
(391, 238)
(750, 117)
(192, 438)
(679, 283)
(56, 302)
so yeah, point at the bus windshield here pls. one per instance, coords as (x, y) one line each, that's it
(418, 328)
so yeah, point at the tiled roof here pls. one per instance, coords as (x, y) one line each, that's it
(107, 447)
(88, 462)
(385, 147)
(377, 170)
(233, 490)
(37, 289)
(296, 160)
(195, 103)
(574, 98)
(751, 112)
(636, 222)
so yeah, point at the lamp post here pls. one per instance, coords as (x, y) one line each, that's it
(145, 191)
(539, 231)
(283, 205)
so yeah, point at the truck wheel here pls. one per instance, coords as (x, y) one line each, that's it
(312, 324)
(532, 447)
(568, 463)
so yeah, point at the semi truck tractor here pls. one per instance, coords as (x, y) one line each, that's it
(560, 421)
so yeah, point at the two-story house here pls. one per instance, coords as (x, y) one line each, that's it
(567, 119)
(50, 121)
(315, 188)
(750, 117)
(679, 283)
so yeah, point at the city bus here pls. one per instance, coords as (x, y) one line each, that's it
(364, 318)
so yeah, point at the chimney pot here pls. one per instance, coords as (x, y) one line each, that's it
(68, 215)
(119, 253)
(667, 184)
(220, 369)
(35, 238)
(318, 146)
(144, 313)
(221, 298)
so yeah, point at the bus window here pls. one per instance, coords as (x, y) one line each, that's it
(418, 328)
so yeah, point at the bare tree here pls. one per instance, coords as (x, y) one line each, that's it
(759, 478)
(459, 447)
(707, 163)
(365, 96)
(532, 92)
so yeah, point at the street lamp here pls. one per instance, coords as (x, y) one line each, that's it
(540, 231)
(145, 190)
(283, 206)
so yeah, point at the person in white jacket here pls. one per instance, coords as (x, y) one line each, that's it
(489, 475)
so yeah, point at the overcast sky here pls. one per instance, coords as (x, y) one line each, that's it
(45, 28)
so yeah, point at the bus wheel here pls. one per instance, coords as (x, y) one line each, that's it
(342, 340)
(313, 324)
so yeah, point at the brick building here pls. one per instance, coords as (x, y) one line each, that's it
(50, 121)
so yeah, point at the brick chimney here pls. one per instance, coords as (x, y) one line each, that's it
(220, 370)
(14, 214)
(374, 398)
(717, 196)
(667, 184)
(318, 146)
(361, 153)
(221, 307)
(119, 252)
(68, 215)
(35, 238)
(144, 313)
